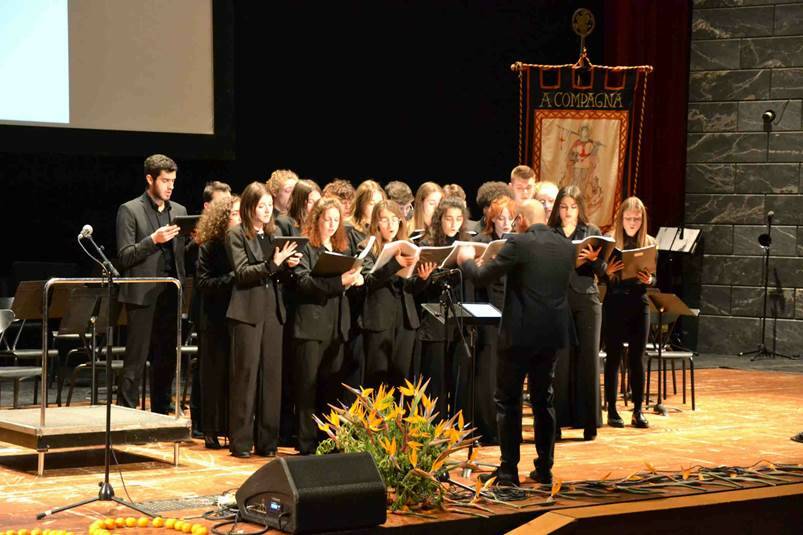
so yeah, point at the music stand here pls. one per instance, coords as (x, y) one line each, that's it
(665, 303)
(472, 316)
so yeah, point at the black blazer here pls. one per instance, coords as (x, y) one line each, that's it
(382, 291)
(538, 264)
(320, 302)
(256, 280)
(287, 225)
(582, 280)
(214, 278)
(137, 254)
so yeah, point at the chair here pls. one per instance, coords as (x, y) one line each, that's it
(661, 327)
(17, 374)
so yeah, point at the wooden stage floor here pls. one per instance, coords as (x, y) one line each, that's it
(742, 417)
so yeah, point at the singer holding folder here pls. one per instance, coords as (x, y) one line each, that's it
(577, 369)
(390, 319)
(322, 319)
(626, 313)
(440, 364)
(148, 245)
(256, 315)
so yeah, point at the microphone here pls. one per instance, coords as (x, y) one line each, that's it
(85, 232)
(768, 116)
(770, 215)
(444, 274)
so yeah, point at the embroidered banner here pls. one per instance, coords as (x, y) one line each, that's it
(581, 124)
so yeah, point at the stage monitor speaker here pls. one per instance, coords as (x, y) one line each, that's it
(315, 493)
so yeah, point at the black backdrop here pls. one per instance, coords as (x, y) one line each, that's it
(414, 90)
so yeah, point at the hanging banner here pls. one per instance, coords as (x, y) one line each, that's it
(581, 125)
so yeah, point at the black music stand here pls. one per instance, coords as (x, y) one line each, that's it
(472, 316)
(665, 303)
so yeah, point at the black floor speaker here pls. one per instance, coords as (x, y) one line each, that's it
(315, 493)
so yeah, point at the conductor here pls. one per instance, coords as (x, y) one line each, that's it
(535, 325)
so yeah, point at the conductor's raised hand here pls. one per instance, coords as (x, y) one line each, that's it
(280, 255)
(165, 234)
(613, 267)
(425, 269)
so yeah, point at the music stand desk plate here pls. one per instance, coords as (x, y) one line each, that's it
(85, 426)
(670, 303)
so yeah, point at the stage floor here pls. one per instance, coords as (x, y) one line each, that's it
(742, 417)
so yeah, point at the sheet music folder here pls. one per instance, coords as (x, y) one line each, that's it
(469, 313)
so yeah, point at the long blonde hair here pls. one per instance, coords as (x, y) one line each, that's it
(364, 195)
(642, 238)
(424, 190)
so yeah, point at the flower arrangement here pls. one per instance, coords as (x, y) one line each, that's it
(400, 429)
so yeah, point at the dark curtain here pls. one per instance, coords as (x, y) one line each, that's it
(657, 34)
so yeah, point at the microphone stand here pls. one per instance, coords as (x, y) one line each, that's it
(106, 492)
(762, 352)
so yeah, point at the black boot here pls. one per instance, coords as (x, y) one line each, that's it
(614, 420)
(638, 419)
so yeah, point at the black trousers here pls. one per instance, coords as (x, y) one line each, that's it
(539, 368)
(577, 399)
(316, 383)
(214, 347)
(447, 371)
(485, 384)
(627, 319)
(389, 353)
(151, 330)
(255, 384)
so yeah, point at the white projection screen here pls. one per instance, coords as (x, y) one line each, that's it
(127, 65)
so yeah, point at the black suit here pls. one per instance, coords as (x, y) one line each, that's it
(538, 264)
(256, 315)
(577, 370)
(389, 322)
(321, 324)
(214, 281)
(151, 308)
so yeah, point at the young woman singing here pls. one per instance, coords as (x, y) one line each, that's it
(577, 370)
(626, 312)
(256, 317)
(390, 319)
(215, 278)
(322, 320)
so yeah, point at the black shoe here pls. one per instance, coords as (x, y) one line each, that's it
(558, 433)
(798, 437)
(503, 479)
(589, 433)
(614, 420)
(639, 420)
(211, 442)
(270, 452)
(544, 478)
(241, 454)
